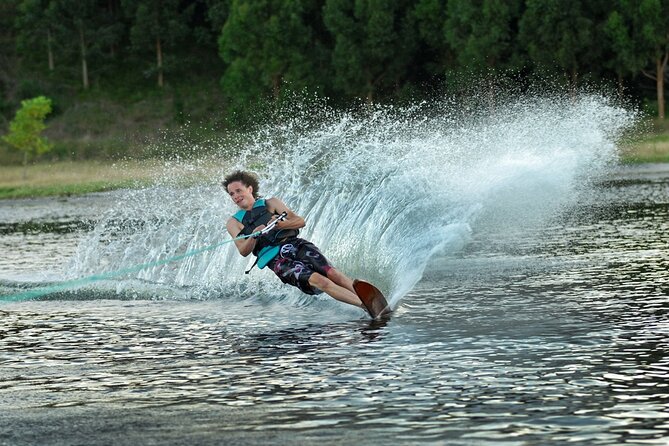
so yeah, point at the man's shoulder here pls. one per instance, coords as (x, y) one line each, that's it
(236, 218)
(272, 202)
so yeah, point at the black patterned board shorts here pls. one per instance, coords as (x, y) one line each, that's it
(297, 261)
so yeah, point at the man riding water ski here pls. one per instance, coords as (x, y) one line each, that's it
(294, 260)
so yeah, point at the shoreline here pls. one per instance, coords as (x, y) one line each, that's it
(72, 178)
(68, 178)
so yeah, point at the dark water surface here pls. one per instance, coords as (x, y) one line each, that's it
(538, 336)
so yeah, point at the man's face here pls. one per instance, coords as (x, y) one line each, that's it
(241, 194)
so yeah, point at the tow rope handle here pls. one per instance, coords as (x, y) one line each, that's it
(269, 227)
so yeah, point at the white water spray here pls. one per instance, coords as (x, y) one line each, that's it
(382, 191)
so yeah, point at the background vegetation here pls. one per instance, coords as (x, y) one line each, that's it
(122, 73)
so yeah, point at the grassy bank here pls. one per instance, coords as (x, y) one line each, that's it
(72, 178)
(649, 143)
(81, 177)
(649, 149)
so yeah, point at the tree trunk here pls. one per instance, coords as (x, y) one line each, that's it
(370, 93)
(276, 86)
(25, 166)
(84, 64)
(661, 65)
(621, 86)
(159, 56)
(49, 49)
(573, 82)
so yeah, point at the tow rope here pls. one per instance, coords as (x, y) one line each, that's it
(42, 291)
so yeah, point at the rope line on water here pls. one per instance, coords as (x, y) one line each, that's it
(38, 292)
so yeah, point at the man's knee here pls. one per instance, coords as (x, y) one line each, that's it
(338, 277)
(319, 281)
(332, 273)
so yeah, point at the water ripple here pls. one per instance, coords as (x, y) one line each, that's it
(548, 336)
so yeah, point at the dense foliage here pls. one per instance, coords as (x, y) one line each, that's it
(373, 50)
(26, 128)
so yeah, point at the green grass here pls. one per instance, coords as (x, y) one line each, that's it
(9, 192)
(628, 158)
(82, 177)
(73, 178)
(650, 146)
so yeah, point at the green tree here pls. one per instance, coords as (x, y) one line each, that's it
(638, 32)
(38, 26)
(26, 127)
(433, 54)
(217, 14)
(113, 28)
(207, 20)
(375, 41)
(81, 17)
(483, 32)
(654, 16)
(429, 16)
(82, 30)
(158, 24)
(565, 34)
(624, 59)
(7, 58)
(73, 29)
(270, 44)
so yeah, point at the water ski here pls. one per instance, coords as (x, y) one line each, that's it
(371, 298)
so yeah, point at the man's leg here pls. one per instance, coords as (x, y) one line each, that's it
(334, 290)
(340, 279)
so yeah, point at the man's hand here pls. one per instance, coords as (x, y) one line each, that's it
(258, 229)
(276, 221)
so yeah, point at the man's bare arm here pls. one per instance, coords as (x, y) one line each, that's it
(292, 221)
(244, 246)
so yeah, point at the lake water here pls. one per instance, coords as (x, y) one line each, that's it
(527, 272)
(542, 335)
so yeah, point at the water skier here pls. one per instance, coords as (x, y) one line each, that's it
(294, 260)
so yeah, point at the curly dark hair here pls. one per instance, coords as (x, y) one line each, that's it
(247, 179)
